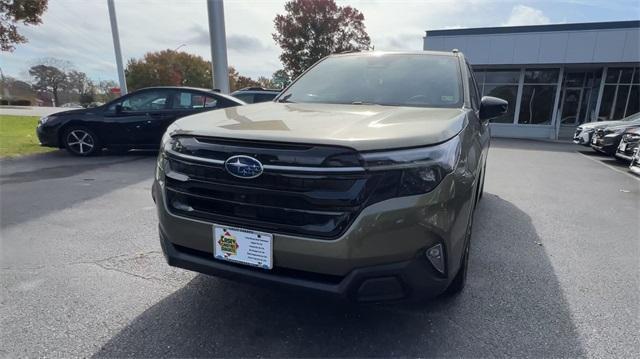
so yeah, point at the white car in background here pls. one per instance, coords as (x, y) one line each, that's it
(634, 166)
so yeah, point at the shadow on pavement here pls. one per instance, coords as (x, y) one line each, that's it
(513, 306)
(33, 186)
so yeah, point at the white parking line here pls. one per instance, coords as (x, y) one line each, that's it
(611, 167)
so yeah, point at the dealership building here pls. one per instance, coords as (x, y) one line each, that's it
(555, 77)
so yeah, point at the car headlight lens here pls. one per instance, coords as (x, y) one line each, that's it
(161, 163)
(630, 137)
(421, 169)
(43, 120)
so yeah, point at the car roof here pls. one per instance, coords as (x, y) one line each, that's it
(198, 89)
(256, 90)
(452, 53)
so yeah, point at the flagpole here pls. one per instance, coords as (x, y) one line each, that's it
(116, 47)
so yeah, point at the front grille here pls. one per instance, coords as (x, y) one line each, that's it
(314, 204)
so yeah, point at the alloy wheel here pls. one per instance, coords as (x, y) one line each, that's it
(80, 142)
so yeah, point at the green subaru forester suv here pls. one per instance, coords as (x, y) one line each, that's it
(359, 180)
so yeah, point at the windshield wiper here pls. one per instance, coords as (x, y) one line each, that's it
(285, 98)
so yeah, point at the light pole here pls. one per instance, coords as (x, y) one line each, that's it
(179, 47)
(218, 38)
(116, 46)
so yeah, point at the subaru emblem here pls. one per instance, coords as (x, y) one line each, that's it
(243, 166)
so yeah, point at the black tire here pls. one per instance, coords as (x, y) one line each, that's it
(81, 141)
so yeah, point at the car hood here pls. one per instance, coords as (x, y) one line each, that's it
(78, 111)
(600, 124)
(628, 124)
(362, 127)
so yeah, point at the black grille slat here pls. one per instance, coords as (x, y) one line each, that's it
(319, 205)
(289, 182)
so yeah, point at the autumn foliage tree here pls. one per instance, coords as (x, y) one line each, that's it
(312, 29)
(168, 68)
(13, 12)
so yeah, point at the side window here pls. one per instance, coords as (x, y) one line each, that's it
(145, 101)
(246, 97)
(473, 86)
(191, 100)
(264, 97)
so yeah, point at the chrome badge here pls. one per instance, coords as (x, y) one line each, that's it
(243, 166)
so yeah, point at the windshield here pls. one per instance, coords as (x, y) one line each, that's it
(390, 79)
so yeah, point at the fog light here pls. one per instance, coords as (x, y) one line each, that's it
(435, 255)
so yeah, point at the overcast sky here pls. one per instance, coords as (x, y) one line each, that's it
(79, 30)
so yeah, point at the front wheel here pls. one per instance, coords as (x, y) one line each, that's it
(81, 141)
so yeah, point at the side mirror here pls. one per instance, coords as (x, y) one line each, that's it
(118, 109)
(492, 107)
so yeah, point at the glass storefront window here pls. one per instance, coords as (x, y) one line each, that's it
(575, 79)
(621, 102)
(634, 101)
(505, 92)
(608, 94)
(502, 77)
(541, 76)
(625, 76)
(612, 76)
(620, 96)
(536, 106)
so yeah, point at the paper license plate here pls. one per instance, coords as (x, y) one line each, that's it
(622, 147)
(243, 246)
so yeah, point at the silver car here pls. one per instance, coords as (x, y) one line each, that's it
(584, 133)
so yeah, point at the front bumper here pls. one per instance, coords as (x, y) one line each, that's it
(605, 146)
(47, 136)
(582, 138)
(627, 154)
(380, 257)
(411, 278)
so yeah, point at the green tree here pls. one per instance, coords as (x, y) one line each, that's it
(79, 84)
(103, 89)
(237, 81)
(280, 79)
(13, 12)
(169, 68)
(313, 29)
(265, 82)
(48, 79)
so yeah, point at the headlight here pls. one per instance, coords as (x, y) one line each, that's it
(421, 168)
(161, 163)
(631, 137)
(43, 120)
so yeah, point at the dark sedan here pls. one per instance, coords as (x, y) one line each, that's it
(628, 144)
(255, 94)
(134, 121)
(606, 140)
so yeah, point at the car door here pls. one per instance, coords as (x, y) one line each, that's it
(128, 121)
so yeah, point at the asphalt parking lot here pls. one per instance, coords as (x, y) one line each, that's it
(554, 271)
